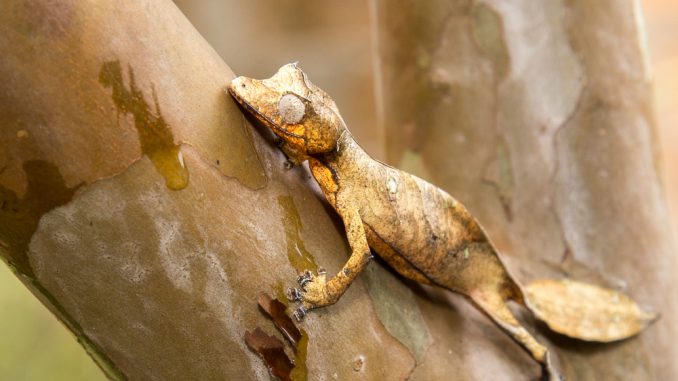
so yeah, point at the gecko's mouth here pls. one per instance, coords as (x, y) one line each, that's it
(261, 117)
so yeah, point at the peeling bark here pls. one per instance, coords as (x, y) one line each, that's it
(537, 116)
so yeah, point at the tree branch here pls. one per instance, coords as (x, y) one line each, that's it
(141, 207)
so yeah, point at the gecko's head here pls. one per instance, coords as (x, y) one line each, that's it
(295, 109)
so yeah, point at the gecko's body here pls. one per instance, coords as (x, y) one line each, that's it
(417, 228)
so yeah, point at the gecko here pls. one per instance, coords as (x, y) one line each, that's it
(418, 229)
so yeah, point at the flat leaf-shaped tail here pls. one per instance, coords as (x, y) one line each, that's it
(585, 311)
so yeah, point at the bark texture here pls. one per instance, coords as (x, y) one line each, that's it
(140, 206)
(537, 116)
(147, 214)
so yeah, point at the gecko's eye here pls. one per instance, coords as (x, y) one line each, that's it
(291, 109)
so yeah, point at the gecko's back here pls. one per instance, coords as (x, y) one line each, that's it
(433, 234)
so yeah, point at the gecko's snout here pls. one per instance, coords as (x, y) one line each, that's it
(240, 82)
(236, 83)
(243, 90)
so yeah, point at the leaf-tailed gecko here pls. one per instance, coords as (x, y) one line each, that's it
(418, 229)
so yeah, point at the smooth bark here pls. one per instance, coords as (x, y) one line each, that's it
(142, 208)
(538, 117)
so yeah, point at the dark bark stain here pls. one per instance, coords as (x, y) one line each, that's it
(155, 136)
(271, 349)
(276, 310)
(19, 217)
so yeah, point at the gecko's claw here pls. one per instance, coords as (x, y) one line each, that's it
(312, 293)
(294, 294)
(304, 278)
(299, 313)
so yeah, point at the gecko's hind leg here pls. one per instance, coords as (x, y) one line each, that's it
(494, 306)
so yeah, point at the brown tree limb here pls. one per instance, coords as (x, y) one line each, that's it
(147, 214)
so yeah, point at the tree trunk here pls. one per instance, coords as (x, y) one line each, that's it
(142, 208)
(538, 117)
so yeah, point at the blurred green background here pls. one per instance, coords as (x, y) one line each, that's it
(34, 346)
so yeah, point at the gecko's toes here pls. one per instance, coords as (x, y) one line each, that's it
(294, 294)
(304, 278)
(299, 313)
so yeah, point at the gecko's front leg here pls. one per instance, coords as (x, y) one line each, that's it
(316, 291)
(294, 157)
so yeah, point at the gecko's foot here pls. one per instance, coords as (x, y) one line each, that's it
(307, 276)
(312, 292)
(299, 313)
(304, 278)
(293, 294)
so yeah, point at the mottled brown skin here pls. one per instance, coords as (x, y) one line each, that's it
(420, 230)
